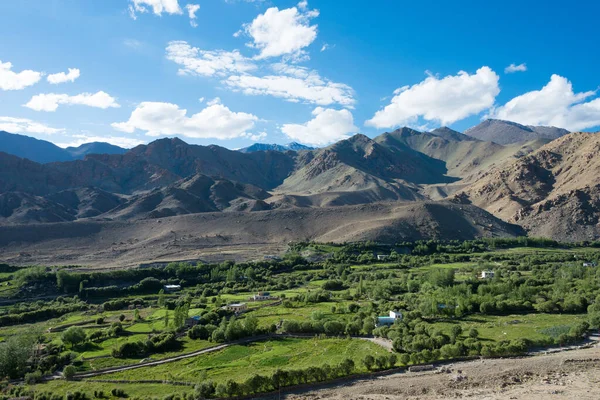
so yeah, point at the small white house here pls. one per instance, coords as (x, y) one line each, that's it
(388, 321)
(382, 257)
(589, 264)
(396, 314)
(261, 296)
(172, 288)
(237, 307)
(487, 274)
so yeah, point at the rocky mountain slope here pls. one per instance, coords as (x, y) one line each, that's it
(507, 132)
(219, 236)
(554, 191)
(275, 147)
(42, 151)
(550, 189)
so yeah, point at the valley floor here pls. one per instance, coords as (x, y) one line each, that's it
(567, 375)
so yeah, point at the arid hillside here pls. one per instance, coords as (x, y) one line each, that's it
(554, 191)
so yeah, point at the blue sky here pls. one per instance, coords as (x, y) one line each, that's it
(276, 71)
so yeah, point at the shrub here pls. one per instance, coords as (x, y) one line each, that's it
(69, 372)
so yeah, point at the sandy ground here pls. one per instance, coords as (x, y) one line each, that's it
(567, 375)
(214, 237)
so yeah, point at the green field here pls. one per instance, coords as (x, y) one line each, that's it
(87, 322)
(239, 362)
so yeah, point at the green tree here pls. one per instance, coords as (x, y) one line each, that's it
(74, 336)
(369, 361)
(473, 333)
(14, 355)
(161, 298)
(69, 372)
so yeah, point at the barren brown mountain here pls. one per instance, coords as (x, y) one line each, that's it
(551, 192)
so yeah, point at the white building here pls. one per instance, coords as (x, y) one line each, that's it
(261, 296)
(172, 288)
(382, 257)
(589, 264)
(237, 307)
(487, 274)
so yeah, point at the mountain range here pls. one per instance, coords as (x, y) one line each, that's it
(293, 146)
(42, 151)
(401, 184)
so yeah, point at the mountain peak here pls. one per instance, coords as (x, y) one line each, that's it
(508, 132)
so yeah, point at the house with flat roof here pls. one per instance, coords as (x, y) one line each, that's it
(237, 307)
(389, 320)
(172, 288)
(487, 274)
(261, 296)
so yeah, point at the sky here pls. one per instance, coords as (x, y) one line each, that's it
(235, 72)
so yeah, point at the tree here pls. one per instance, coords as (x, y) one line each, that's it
(161, 298)
(368, 326)
(69, 372)
(473, 333)
(14, 354)
(167, 319)
(392, 360)
(122, 317)
(404, 358)
(73, 336)
(369, 361)
(136, 315)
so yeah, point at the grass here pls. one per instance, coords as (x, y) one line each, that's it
(240, 362)
(511, 327)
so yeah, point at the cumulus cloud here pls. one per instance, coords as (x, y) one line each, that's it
(283, 80)
(194, 61)
(282, 32)
(157, 7)
(78, 140)
(444, 100)
(23, 125)
(10, 80)
(192, 9)
(556, 104)
(295, 84)
(515, 68)
(327, 126)
(257, 137)
(51, 101)
(213, 122)
(61, 77)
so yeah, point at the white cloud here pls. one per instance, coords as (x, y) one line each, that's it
(290, 82)
(216, 100)
(515, 68)
(256, 137)
(280, 32)
(22, 125)
(194, 61)
(215, 121)
(556, 104)
(326, 46)
(192, 9)
(61, 77)
(51, 101)
(10, 80)
(327, 126)
(294, 84)
(445, 100)
(157, 6)
(201, 99)
(124, 142)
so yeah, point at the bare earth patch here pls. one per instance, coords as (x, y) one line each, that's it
(567, 375)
